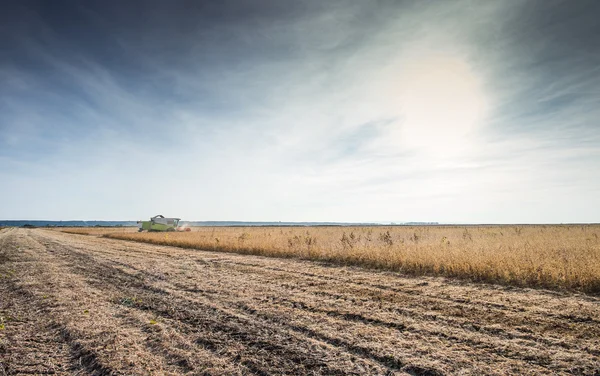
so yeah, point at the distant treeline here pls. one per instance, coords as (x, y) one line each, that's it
(74, 223)
(37, 223)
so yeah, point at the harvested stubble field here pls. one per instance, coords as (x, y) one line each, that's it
(73, 304)
(547, 256)
(96, 230)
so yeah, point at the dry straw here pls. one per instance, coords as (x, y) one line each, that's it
(548, 256)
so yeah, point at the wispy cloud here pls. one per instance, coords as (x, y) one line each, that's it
(462, 111)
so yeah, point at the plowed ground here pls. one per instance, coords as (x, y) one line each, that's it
(76, 304)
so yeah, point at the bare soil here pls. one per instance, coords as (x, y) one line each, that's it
(76, 304)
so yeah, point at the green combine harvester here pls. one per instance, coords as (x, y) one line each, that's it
(160, 223)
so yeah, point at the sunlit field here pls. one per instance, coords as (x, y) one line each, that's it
(548, 256)
(90, 305)
(96, 230)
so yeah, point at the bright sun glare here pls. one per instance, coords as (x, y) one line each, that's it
(441, 104)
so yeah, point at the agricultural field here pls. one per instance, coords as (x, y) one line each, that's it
(81, 304)
(96, 230)
(555, 257)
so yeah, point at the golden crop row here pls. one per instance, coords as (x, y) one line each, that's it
(548, 256)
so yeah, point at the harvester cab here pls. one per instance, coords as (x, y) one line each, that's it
(159, 223)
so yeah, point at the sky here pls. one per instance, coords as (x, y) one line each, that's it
(461, 111)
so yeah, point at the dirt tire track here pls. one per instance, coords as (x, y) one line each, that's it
(261, 356)
(274, 316)
(29, 344)
(510, 352)
(121, 278)
(101, 342)
(474, 343)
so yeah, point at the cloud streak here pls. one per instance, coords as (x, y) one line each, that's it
(301, 112)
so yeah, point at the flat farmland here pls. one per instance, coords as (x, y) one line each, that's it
(546, 256)
(80, 304)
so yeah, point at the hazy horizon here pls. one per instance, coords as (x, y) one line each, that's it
(308, 223)
(338, 111)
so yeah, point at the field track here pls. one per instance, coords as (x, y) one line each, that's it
(76, 304)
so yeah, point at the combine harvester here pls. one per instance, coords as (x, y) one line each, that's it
(160, 223)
